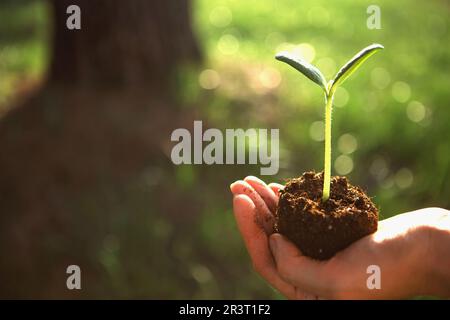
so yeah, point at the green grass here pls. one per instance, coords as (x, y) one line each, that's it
(23, 47)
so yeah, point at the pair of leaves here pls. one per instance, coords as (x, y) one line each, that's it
(314, 74)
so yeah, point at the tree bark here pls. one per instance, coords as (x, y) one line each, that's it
(122, 43)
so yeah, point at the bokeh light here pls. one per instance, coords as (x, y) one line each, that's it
(201, 273)
(415, 111)
(327, 66)
(379, 168)
(347, 143)
(404, 178)
(228, 44)
(270, 78)
(304, 51)
(401, 91)
(209, 79)
(220, 17)
(343, 164)
(316, 131)
(341, 97)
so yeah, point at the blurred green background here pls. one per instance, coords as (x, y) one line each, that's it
(390, 136)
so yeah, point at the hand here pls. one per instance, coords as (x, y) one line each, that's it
(411, 250)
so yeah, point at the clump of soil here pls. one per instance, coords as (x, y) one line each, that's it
(320, 229)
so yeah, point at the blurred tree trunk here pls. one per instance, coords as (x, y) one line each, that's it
(122, 43)
(86, 158)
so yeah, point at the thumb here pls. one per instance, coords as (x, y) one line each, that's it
(303, 272)
(282, 248)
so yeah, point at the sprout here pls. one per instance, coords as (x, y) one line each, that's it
(314, 74)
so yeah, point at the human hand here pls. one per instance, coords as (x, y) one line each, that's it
(405, 248)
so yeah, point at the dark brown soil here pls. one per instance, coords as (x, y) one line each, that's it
(320, 229)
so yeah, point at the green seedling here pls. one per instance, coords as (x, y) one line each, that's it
(314, 74)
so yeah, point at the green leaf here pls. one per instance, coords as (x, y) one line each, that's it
(312, 72)
(352, 65)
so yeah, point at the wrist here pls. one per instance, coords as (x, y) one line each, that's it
(440, 241)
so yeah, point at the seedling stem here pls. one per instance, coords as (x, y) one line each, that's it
(314, 74)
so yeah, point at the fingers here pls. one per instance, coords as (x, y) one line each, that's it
(266, 193)
(263, 215)
(254, 201)
(256, 242)
(276, 187)
(297, 269)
